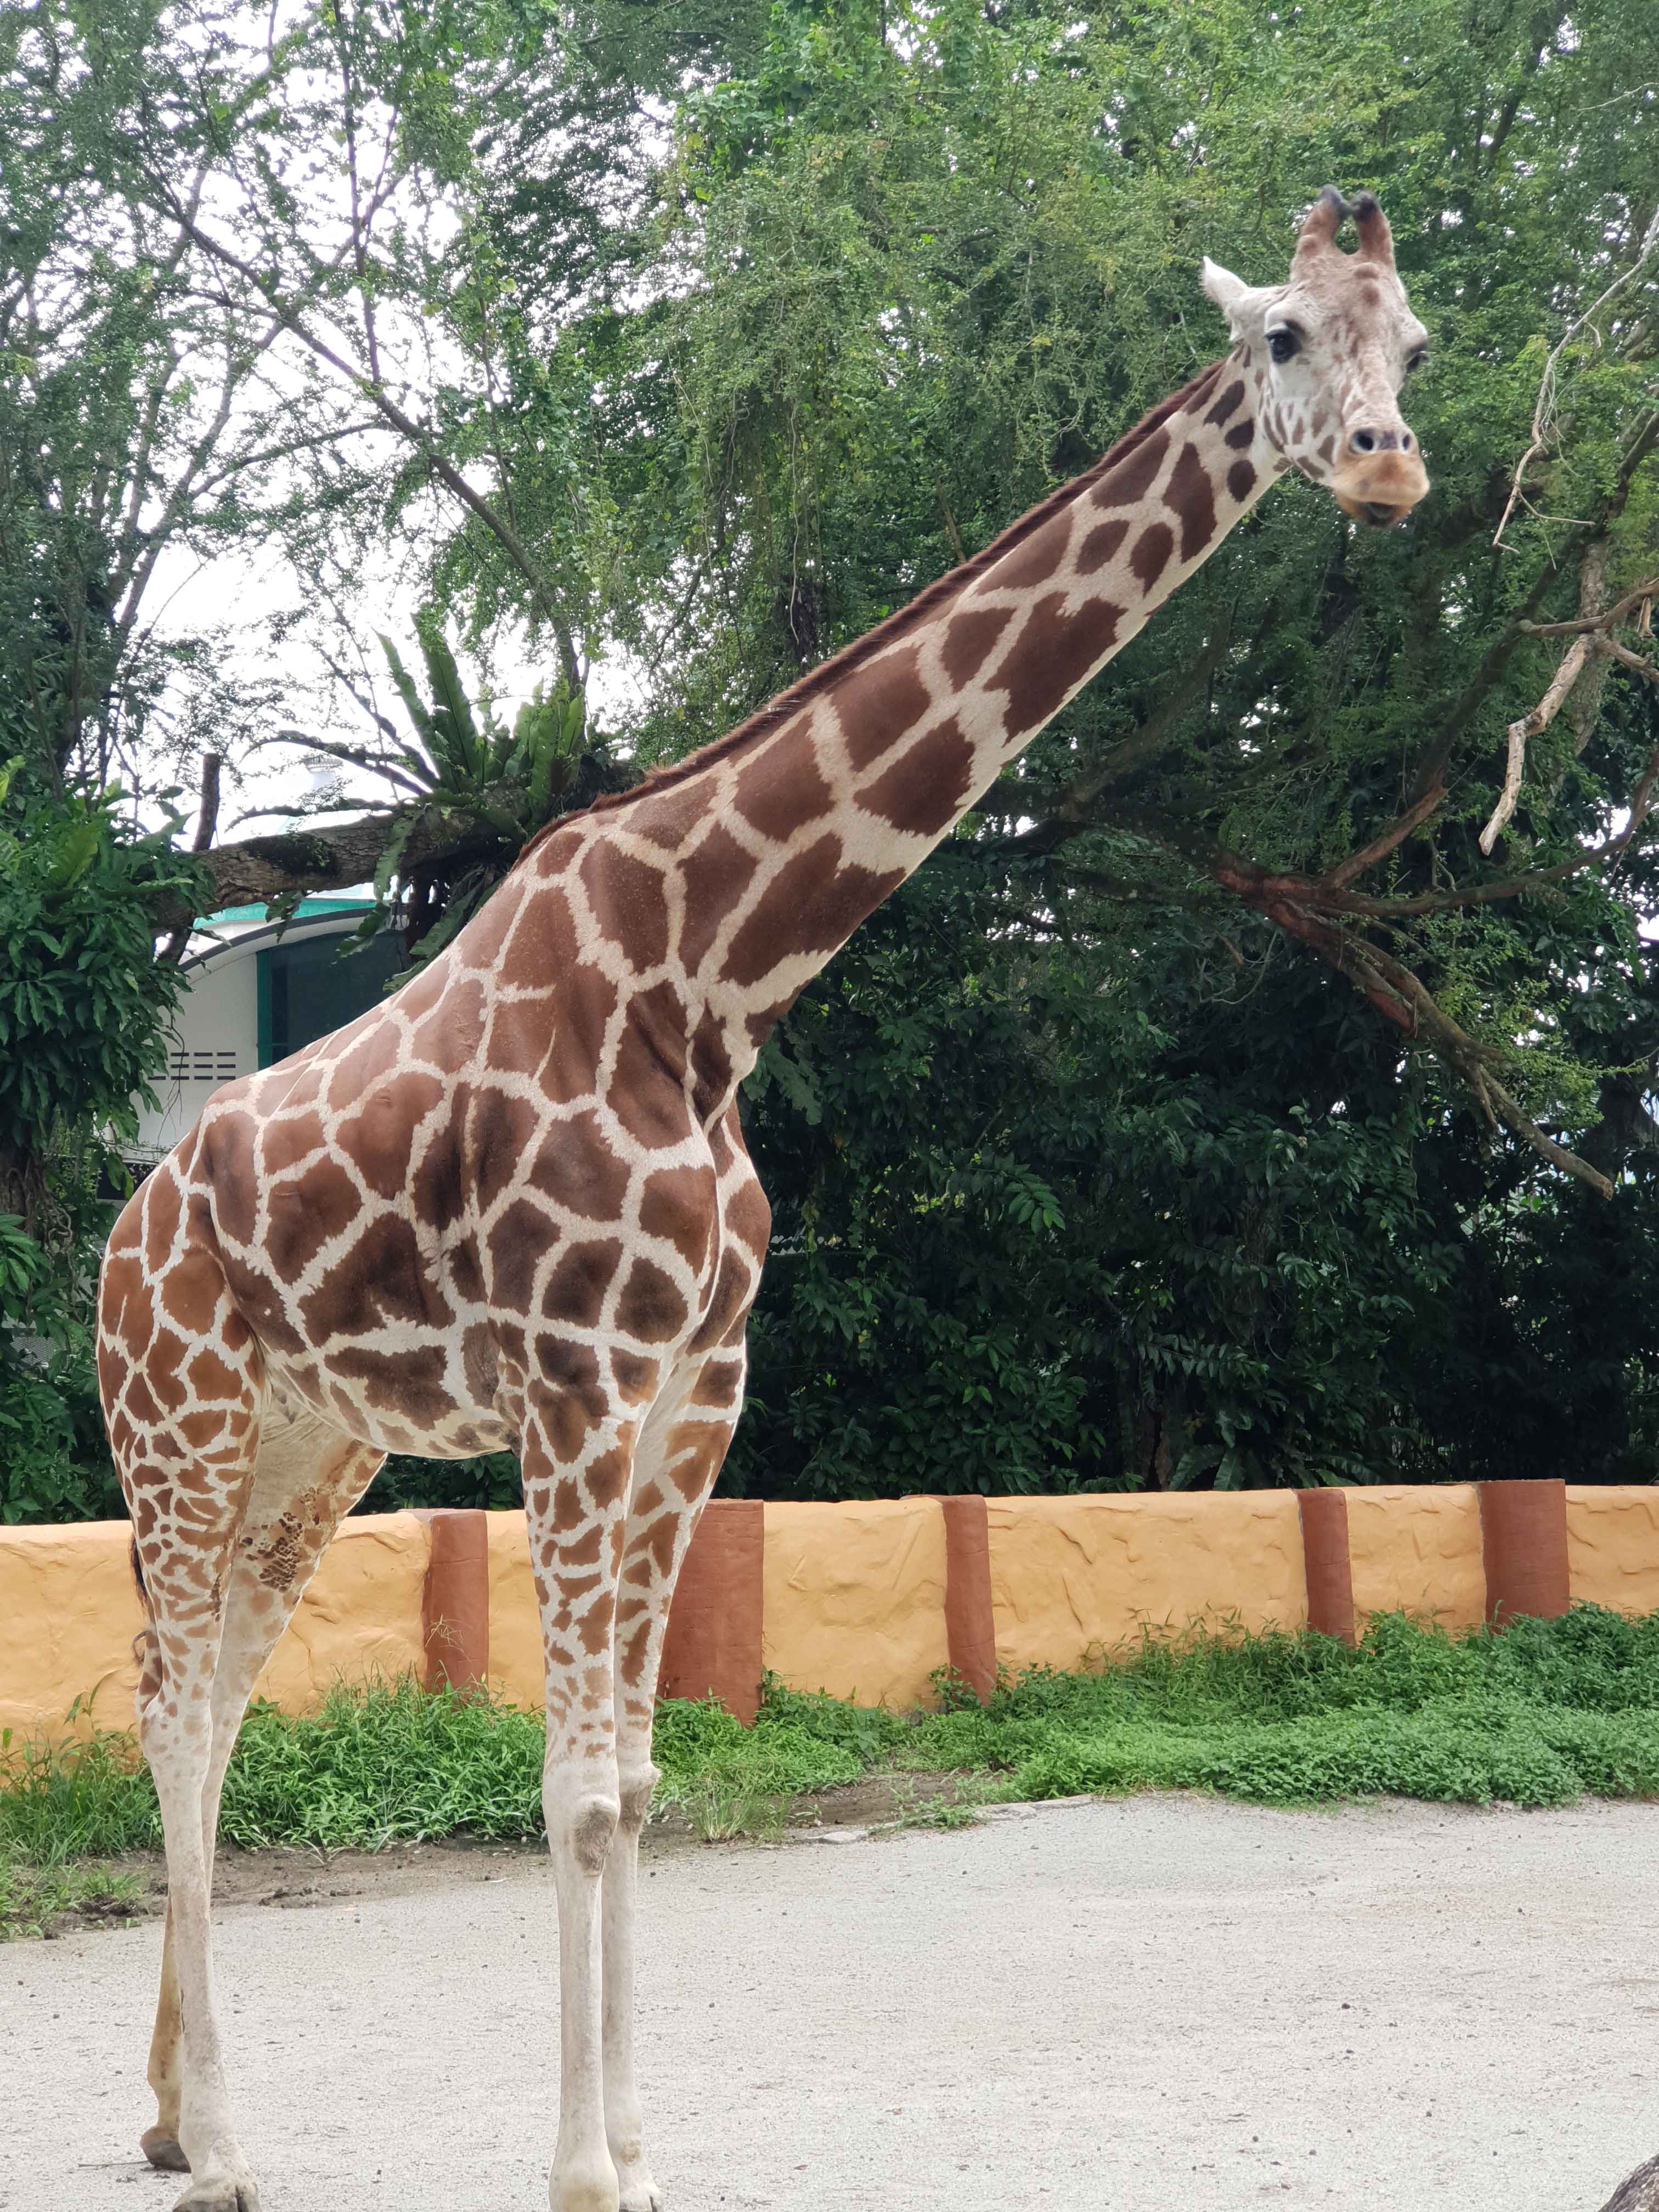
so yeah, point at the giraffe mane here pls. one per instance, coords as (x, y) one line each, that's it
(818, 680)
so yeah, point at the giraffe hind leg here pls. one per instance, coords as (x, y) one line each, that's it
(307, 1477)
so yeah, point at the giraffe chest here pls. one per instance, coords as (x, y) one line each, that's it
(528, 1242)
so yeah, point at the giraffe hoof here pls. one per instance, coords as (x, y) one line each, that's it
(225, 2195)
(161, 2148)
(642, 2196)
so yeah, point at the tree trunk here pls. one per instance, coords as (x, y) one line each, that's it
(1637, 2191)
(22, 1185)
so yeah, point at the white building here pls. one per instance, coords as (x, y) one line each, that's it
(258, 991)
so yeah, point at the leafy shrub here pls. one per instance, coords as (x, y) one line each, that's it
(54, 1460)
(84, 1003)
(1535, 1717)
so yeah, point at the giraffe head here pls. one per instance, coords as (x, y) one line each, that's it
(1327, 353)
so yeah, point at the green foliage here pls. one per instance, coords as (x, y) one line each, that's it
(750, 319)
(482, 789)
(471, 762)
(54, 1459)
(491, 1482)
(84, 1008)
(1024, 1241)
(1539, 1715)
(84, 1003)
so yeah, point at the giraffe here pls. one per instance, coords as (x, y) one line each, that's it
(511, 1207)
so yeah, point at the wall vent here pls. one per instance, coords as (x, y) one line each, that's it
(199, 1066)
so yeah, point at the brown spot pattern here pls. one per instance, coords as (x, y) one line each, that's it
(878, 702)
(927, 787)
(1098, 547)
(1149, 556)
(1192, 495)
(968, 638)
(1128, 484)
(1053, 654)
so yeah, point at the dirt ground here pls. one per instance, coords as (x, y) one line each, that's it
(295, 1879)
(1160, 2004)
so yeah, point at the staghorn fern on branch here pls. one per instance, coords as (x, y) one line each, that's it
(475, 788)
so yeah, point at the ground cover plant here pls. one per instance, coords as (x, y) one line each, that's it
(1537, 1715)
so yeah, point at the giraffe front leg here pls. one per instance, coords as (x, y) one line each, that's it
(577, 1464)
(681, 1448)
(625, 2117)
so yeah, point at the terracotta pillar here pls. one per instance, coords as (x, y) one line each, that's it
(713, 1645)
(1524, 1534)
(969, 1626)
(1326, 1558)
(455, 1607)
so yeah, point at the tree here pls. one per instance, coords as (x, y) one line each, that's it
(83, 1002)
(937, 258)
(1223, 1102)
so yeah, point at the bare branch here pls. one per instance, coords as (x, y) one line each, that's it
(333, 855)
(1627, 658)
(418, 434)
(1630, 604)
(1532, 726)
(1393, 988)
(1544, 410)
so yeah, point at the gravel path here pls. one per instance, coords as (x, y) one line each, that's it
(1159, 2005)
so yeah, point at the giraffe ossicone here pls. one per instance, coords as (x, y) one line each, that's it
(513, 1207)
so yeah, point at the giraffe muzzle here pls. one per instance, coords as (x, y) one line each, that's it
(1380, 489)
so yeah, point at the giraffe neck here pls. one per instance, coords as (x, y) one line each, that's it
(786, 835)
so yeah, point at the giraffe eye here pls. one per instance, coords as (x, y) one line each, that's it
(1416, 360)
(1283, 344)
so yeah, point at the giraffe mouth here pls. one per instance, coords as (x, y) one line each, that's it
(1382, 490)
(1378, 513)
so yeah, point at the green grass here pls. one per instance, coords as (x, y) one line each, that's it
(1539, 1715)
(34, 1899)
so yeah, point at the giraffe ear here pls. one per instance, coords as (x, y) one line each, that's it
(1230, 294)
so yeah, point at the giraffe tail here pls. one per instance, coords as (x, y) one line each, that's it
(147, 1644)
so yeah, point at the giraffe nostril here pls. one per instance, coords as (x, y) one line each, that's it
(1405, 441)
(1363, 442)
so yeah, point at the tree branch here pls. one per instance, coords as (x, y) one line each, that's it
(1632, 600)
(1395, 835)
(331, 856)
(207, 820)
(416, 434)
(1545, 407)
(1394, 991)
(1532, 726)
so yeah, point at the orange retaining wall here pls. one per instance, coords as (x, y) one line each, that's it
(868, 1601)
(69, 1612)
(852, 1598)
(1417, 1551)
(1613, 1546)
(1071, 1575)
(360, 1619)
